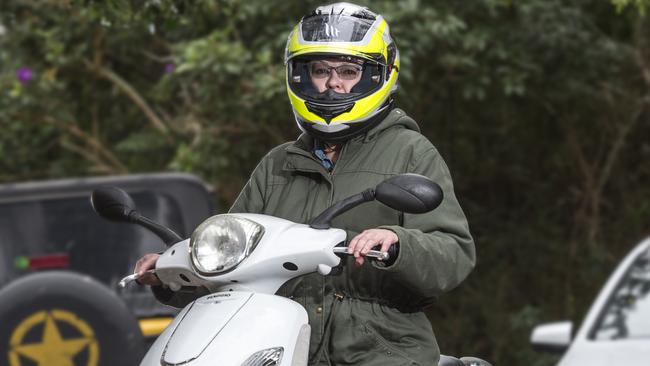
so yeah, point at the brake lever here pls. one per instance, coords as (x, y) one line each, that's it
(377, 254)
(133, 277)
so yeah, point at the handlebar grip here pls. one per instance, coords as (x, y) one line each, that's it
(133, 277)
(387, 257)
(393, 252)
(377, 254)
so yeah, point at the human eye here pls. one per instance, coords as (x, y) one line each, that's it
(349, 71)
(319, 70)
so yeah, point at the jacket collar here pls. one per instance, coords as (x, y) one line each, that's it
(299, 153)
(396, 117)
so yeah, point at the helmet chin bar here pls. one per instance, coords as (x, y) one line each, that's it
(351, 130)
(329, 110)
(330, 104)
(330, 128)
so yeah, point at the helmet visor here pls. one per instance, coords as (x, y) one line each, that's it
(335, 28)
(311, 78)
(319, 70)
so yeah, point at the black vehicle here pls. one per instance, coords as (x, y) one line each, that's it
(60, 265)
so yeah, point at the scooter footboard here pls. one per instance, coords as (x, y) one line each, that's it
(234, 329)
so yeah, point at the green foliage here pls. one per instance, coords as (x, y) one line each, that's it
(641, 5)
(539, 107)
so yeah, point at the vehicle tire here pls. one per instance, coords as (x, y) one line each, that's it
(65, 318)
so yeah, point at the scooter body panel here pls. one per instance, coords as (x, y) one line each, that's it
(286, 250)
(227, 328)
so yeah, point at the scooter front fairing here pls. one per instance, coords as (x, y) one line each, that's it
(216, 330)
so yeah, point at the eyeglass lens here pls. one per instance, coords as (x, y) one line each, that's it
(320, 70)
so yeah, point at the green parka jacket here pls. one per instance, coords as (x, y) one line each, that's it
(369, 315)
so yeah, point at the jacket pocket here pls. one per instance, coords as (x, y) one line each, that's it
(391, 351)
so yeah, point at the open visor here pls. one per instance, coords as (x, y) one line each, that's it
(305, 73)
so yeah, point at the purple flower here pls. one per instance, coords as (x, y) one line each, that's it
(170, 67)
(24, 74)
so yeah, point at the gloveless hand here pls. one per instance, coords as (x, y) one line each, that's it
(361, 244)
(147, 262)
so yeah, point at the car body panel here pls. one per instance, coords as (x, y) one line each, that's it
(616, 330)
(50, 225)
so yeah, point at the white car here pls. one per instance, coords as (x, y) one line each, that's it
(616, 330)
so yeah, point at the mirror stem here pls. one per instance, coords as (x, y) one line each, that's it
(166, 234)
(323, 220)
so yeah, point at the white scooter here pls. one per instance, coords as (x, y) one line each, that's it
(241, 260)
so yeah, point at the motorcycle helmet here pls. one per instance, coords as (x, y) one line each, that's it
(348, 35)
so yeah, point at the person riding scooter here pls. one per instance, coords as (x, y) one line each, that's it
(342, 67)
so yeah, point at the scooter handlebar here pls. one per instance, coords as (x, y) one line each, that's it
(133, 277)
(377, 254)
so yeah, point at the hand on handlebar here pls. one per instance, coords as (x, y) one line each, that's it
(147, 262)
(361, 244)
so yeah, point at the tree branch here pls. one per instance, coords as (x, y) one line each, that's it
(618, 144)
(74, 130)
(161, 59)
(640, 44)
(88, 155)
(130, 92)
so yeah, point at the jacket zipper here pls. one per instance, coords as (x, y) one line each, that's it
(331, 175)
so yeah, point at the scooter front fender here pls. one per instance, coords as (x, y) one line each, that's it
(227, 328)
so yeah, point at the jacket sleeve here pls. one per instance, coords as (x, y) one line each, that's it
(436, 248)
(251, 200)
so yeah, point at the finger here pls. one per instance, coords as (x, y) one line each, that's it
(360, 247)
(145, 263)
(385, 246)
(141, 267)
(151, 258)
(354, 243)
(371, 243)
(359, 261)
(388, 238)
(150, 263)
(138, 266)
(376, 243)
(383, 243)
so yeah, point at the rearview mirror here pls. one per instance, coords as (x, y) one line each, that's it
(113, 204)
(411, 193)
(552, 337)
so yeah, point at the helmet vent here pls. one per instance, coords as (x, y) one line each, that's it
(328, 111)
(365, 14)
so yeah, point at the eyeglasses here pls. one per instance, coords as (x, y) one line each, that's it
(320, 70)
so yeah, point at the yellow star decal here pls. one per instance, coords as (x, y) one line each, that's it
(53, 350)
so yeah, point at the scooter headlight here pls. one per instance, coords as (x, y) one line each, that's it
(221, 242)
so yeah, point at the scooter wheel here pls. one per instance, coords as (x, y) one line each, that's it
(65, 318)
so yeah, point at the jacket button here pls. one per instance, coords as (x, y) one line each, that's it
(319, 310)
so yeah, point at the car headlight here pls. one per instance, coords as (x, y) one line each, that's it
(221, 242)
(267, 357)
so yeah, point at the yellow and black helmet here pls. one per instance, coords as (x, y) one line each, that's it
(355, 35)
